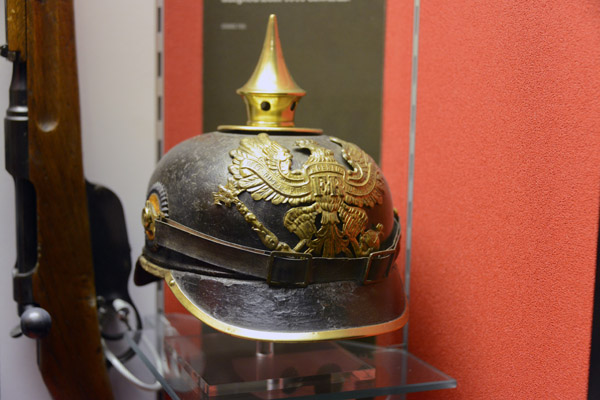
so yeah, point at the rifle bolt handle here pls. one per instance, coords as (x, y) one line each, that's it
(35, 322)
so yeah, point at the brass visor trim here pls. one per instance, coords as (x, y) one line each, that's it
(153, 268)
(271, 336)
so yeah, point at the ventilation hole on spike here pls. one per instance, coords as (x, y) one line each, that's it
(265, 106)
(293, 106)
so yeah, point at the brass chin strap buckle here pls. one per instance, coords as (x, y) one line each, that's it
(378, 267)
(289, 269)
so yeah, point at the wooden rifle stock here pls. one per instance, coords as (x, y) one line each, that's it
(41, 34)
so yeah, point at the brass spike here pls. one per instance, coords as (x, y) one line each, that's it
(271, 94)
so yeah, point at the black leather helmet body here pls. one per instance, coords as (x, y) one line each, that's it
(273, 232)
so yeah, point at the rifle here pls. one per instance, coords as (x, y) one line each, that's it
(53, 279)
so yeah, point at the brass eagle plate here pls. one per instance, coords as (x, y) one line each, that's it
(323, 192)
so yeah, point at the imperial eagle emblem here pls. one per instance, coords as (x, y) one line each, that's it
(327, 199)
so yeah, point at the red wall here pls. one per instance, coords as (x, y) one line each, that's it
(183, 70)
(396, 111)
(182, 83)
(506, 193)
(507, 182)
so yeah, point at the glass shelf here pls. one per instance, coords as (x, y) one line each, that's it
(194, 361)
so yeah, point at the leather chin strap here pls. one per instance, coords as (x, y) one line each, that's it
(278, 268)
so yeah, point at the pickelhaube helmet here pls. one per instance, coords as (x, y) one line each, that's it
(275, 232)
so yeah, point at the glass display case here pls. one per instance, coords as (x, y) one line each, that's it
(193, 361)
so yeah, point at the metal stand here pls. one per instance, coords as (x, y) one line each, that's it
(264, 349)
